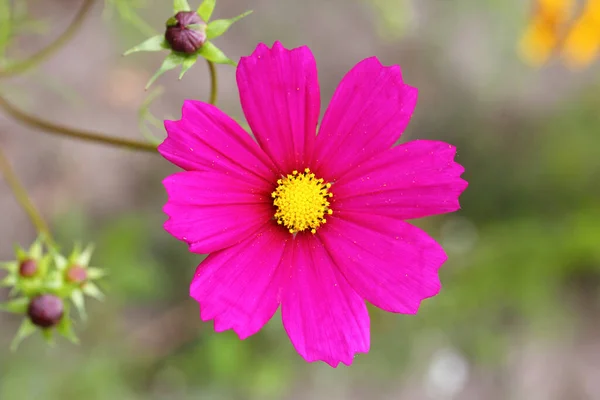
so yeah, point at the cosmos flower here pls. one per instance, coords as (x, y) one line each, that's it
(560, 27)
(312, 223)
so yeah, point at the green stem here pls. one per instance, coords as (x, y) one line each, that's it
(213, 82)
(19, 67)
(23, 198)
(50, 127)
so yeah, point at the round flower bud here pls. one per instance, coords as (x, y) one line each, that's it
(28, 268)
(76, 274)
(186, 32)
(46, 310)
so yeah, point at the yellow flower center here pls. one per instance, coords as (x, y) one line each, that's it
(302, 201)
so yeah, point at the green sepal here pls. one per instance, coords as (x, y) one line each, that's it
(16, 306)
(8, 281)
(26, 329)
(206, 9)
(187, 64)
(79, 301)
(21, 253)
(214, 54)
(84, 257)
(48, 335)
(10, 266)
(218, 27)
(65, 327)
(60, 262)
(36, 250)
(171, 61)
(180, 5)
(155, 43)
(92, 290)
(94, 273)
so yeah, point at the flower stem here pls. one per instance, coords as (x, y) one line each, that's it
(50, 127)
(23, 198)
(213, 83)
(19, 67)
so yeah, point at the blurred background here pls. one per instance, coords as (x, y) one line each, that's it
(518, 315)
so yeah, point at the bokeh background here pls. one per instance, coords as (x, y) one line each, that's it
(518, 316)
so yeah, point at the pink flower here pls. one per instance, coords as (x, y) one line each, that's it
(314, 223)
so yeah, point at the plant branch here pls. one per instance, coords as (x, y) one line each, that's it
(51, 127)
(19, 67)
(213, 83)
(23, 198)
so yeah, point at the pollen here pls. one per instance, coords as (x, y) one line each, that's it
(302, 201)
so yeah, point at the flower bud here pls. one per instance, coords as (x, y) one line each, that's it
(186, 32)
(46, 310)
(28, 268)
(76, 274)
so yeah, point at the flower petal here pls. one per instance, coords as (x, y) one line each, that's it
(205, 138)
(412, 180)
(368, 112)
(240, 287)
(390, 263)
(279, 92)
(211, 210)
(325, 319)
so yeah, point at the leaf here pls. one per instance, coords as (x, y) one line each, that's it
(49, 336)
(181, 5)
(155, 43)
(206, 9)
(16, 306)
(145, 115)
(187, 64)
(21, 253)
(214, 54)
(218, 27)
(171, 61)
(25, 330)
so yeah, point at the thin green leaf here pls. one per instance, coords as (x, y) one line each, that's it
(25, 330)
(180, 5)
(214, 54)
(144, 114)
(187, 64)
(218, 27)
(171, 62)
(206, 9)
(155, 43)
(16, 306)
(21, 253)
(49, 336)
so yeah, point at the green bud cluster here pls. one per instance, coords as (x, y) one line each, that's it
(44, 285)
(188, 36)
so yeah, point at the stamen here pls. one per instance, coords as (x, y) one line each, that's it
(302, 201)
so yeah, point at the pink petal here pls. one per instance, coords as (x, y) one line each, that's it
(279, 92)
(368, 112)
(211, 210)
(324, 318)
(205, 138)
(240, 287)
(413, 180)
(390, 263)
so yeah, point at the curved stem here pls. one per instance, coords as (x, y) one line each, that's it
(19, 67)
(213, 83)
(23, 198)
(50, 127)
